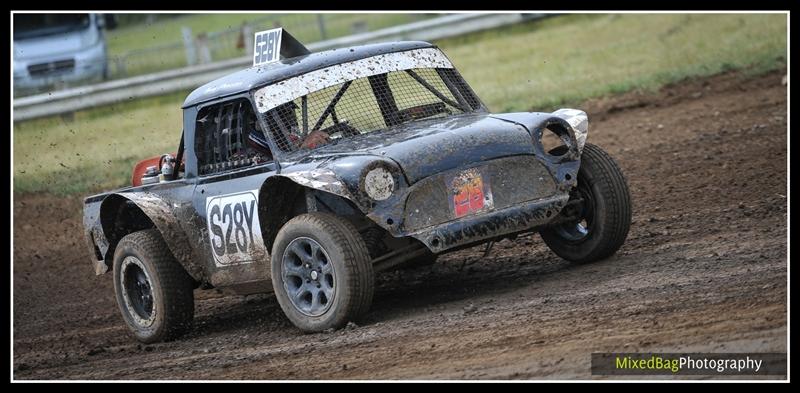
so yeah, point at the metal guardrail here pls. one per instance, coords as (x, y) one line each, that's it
(236, 41)
(75, 99)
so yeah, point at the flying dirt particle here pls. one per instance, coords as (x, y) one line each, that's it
(470, 308)
(62, 164)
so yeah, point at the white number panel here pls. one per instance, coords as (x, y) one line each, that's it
(233, 228)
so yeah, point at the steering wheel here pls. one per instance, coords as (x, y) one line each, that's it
(344, 127)
(423, 111)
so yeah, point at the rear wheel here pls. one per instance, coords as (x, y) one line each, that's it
(321, 272)
(604, 211)
(154, 292)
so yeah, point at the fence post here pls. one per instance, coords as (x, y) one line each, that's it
(321, 23)
(188, 42)
(359, 27)
(120, 63)
(203, 48)
(247, 31)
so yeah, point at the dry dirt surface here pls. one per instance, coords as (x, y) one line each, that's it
(704, 269)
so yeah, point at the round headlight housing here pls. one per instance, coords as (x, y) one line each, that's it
(379, 184)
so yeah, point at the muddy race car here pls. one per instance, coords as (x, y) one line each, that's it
(308, 174)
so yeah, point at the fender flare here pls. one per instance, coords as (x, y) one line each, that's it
(163, 217)
(280, 194)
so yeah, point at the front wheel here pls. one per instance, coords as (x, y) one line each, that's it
(321, 272)
(605, 211)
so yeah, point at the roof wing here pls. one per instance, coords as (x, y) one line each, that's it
(291, 47)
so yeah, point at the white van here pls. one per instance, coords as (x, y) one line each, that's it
(58, 49)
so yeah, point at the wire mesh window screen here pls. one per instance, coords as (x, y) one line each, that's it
(369, 104)
(223, 139)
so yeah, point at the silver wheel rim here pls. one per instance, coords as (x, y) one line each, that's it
(574, 232)
(137, 291)
(308, 276)
(578, 231)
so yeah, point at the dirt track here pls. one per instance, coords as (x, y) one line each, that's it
(703, 269)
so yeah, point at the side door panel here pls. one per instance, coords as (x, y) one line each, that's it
(225, 198)
(231, 240)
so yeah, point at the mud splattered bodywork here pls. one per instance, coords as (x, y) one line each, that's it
(432, 169)
(529, 187)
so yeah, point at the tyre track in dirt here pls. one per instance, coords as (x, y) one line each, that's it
(703, 269)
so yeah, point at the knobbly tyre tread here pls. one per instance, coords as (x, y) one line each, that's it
(176, 286)
(613, 189)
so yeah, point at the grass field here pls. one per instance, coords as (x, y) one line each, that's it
(167, 31)
(143, 49)
(540, 65)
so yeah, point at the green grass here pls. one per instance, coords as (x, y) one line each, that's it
(542, 65)
(97, 149)
(168, 31)
(565, 60)
(305, 27)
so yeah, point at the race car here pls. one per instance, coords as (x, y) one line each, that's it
(309, 173)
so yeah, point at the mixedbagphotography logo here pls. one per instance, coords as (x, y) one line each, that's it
(688, 364)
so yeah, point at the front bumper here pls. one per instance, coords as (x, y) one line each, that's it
(475, 229)
(87, 64)
(524, 192)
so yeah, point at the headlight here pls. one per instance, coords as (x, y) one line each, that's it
(379, 184)
(579, 122)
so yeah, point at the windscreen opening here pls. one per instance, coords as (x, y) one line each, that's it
(368, 104)
(37, 25)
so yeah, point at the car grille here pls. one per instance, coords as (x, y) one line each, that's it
(51, 68)
(512, 180)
